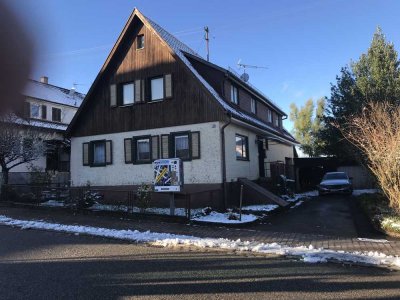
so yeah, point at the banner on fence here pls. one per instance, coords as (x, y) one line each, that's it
(168, 175)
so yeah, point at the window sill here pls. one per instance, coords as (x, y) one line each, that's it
(147, 162)
(242, 159)
(98, 165)
(156, 101)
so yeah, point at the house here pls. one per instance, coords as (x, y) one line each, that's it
(155, 98)
(48, 109)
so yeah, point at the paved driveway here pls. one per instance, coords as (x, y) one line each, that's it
(332, 215)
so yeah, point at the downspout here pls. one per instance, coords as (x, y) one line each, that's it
(223, 160)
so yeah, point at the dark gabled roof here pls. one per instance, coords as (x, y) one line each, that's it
(52, 93)
(180, 50)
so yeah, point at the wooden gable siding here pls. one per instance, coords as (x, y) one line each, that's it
(190, 102)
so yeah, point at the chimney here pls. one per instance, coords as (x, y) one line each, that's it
(44, 79)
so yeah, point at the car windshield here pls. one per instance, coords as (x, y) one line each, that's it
(330, 176)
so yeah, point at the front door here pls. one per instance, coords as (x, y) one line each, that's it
(261, 158)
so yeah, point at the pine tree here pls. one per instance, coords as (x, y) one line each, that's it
(374, 77)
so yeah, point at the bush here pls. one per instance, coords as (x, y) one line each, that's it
(143, 196)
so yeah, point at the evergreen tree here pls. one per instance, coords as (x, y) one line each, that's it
(374, 77)
(306, 125)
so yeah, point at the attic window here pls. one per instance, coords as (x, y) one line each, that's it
(234, 94)
(157, 88)
(140, 42)
(128, 92)
(253, 106)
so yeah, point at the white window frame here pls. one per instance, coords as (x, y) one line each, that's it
(125, 90)
(253, 106)
(234, 94)
(152, 92)
(269, 115)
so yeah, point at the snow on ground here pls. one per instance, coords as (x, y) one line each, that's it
(52, 203)
(373, 240)
(365, 191)
(307, 253)
(262, 207)
(297, 204)
(216, 217)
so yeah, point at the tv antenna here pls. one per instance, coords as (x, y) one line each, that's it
(245, 76)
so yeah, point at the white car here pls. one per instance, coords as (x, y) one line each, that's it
(335, 182)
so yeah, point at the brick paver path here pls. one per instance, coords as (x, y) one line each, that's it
(245, 234)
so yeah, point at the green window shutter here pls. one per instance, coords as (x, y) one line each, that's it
(155, 148)
(85, 154)
(113, 95)
(165, 146)
(108, 152)
(138, 91)
(168, 85)
(196, 145)
(128, 150)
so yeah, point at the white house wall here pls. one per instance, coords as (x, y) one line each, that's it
(67, 112)
(239, 168)
(207, 169)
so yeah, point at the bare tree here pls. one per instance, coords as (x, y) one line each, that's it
(376, 132)
(20, 143)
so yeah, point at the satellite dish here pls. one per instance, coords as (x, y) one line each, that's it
(245, 77)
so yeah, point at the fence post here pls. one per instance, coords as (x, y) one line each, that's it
(241, 202)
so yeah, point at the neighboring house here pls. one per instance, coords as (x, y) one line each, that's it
(156, 98)
(48, 109)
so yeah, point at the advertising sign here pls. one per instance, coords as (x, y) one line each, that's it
(168, 175)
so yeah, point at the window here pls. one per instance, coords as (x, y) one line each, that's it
(276, 120)
(181, 149)
(128, 93)
(253, 106)
(97, 153)
(242, 147)
(157, 89)
(140, 41)
(35, 110)
(234, 94)
(44, 112)
(269, 115)
(143, 150)
(56, 114)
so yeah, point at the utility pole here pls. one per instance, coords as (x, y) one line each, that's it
(207, 42)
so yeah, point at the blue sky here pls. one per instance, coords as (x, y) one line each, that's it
(303, 43)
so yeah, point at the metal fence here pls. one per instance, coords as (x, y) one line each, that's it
(126, 201)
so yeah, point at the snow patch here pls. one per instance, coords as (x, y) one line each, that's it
(263, 207)
(373, 240)
(216, 217)
(365, 191)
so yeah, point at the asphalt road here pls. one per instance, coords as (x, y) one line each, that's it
(332, 215)
(48, 265)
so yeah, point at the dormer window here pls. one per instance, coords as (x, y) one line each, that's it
(253, 106)
(276, 120)
(56, 114)
(140, 42)
(269, 115)
(234, 94)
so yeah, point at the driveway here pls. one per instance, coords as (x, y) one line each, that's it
(332, 215)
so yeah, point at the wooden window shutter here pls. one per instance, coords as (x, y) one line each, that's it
(168, 85)
(44, 112)
(155, 148)
(165, 146)
(138, 91)
(108, 152)
(196, 145)
(128, 150)
(113, 95)
(85, 154)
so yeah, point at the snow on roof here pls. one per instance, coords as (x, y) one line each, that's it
(52, 93)
(12, 118)
(179, 49)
